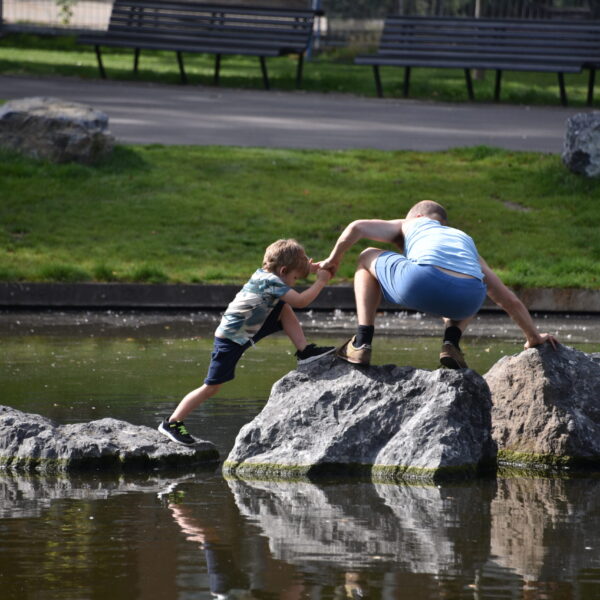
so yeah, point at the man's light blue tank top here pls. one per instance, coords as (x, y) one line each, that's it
(428, 242)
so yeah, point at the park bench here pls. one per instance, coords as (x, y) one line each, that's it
(498, 44)
(205, 28)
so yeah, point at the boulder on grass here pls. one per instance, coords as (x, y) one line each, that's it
(55, 130)
(31, 442)
(394, 423)
(581, 153)
(546, 407)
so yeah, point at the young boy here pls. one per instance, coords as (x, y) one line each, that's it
(263, 306)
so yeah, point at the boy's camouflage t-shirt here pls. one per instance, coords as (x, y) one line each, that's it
(250, 308)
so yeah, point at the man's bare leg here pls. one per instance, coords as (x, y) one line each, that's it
(367, 294)
(367, 291)
(451, 355)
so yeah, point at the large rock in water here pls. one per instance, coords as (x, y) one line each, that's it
(33, 443)
(55, 130)
(581, 152)
(546, 407)
(394, 422)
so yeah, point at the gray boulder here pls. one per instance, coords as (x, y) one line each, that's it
(546, 407)
(33, 443)
(581, 152)
(55, 130)
(392, 422)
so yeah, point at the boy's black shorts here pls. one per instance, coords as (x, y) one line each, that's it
(226, 353)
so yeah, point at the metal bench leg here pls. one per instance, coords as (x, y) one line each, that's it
(217, 69)
(299, 71)
(136, 60)
(100, 65)
(591, 81)
(181, 68)
(406, 86)
(498, 85)
(563, 92)
(469, 84)
(263, 68)
(378, 87)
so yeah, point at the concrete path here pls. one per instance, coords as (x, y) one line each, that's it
(173, 114)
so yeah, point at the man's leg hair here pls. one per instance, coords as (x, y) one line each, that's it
(367, 291)
(367, 294)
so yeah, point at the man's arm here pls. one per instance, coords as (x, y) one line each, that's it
(371, 229)
(509, 302)
(303, 299)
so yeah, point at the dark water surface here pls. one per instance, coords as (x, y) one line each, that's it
(197, 535)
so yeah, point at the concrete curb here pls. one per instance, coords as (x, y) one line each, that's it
(93, 296)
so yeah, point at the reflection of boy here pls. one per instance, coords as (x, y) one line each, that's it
(263, 306)
(225, 578)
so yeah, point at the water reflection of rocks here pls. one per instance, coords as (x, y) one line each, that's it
(547, 529)
(517, 533)
(30, 495)
(511, 538)
(359, 525)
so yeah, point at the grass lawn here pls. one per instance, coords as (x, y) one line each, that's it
(332, 71)
(205, 214)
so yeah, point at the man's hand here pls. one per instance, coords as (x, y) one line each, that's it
(330, 265)
(542, 339)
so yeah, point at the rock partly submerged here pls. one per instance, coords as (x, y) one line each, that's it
(392, 423)
(546, 407)
(34, 443)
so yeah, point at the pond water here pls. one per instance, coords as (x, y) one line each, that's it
(197, 535)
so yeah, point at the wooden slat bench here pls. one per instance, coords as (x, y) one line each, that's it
(205, 28)
(499, 44)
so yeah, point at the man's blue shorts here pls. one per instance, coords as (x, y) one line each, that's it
(226, 354)
(427, 289)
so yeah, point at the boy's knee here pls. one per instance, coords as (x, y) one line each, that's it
(286, 310)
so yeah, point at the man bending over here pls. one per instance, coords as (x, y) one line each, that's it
(438, 272)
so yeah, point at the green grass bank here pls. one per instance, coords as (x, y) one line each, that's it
(205, 214)
(331, 71)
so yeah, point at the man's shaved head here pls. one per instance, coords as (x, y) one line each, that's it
(430, 209)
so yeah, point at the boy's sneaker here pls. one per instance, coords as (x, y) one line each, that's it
(313, 352)
(177, 432)
(357, 356)
(451, 357)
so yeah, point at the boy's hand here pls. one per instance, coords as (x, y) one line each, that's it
(324, 275)
(312, 267)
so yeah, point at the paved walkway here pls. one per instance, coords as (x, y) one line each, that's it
(174, 114)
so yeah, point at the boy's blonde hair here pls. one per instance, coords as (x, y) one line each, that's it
(286, 253)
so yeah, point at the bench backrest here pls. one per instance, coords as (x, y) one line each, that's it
(285, 29)
(567, 39)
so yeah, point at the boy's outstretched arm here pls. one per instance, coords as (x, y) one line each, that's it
(302, 299)
(509, 302)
